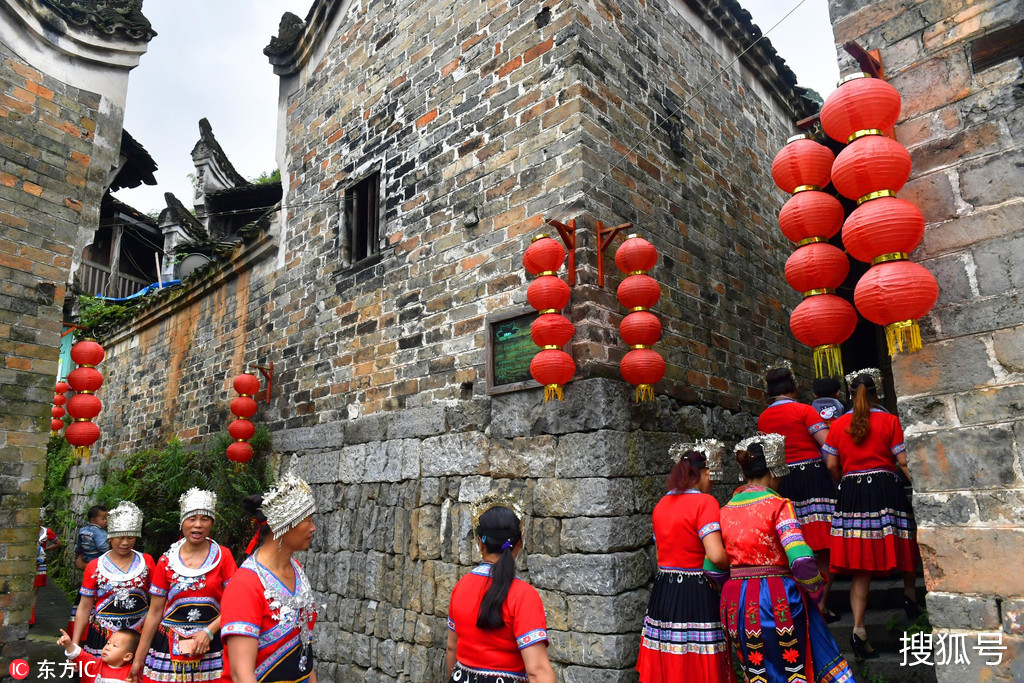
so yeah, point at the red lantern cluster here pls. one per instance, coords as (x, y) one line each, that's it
(85, 380)
(243, 407)
(883, 229)
(551, 367)
(57, 412)
(810, 218)
(642, 366)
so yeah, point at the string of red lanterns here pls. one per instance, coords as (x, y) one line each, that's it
(551, 366)
(810, 218)
(883, 229)
(642, 366)
(243, 407)
(85, 380)
(57, 412)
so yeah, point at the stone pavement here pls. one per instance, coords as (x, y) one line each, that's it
(52, 611)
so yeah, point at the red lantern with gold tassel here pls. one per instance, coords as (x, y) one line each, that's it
(551, 366)
(810, 218)
(642, 366)
(85, 380)
(883, 229)
(243, 407)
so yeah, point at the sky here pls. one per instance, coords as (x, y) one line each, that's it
(207, 61)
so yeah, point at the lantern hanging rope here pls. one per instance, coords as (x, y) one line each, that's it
(642, 366)
(551, 367)
(85, 380)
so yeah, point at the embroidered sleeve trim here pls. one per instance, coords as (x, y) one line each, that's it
(817, 427)
(898, 448)
(709, 529)
(531, 638)
(158, 592)
(451, 624)
(240, 628)
(829, 450)
(87, 592)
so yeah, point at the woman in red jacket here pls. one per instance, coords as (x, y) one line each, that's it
(873, 527)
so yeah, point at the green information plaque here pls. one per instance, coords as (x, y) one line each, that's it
(512, 349)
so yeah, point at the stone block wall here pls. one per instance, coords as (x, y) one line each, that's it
(961, 396)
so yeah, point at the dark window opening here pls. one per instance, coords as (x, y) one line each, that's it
(362, 217)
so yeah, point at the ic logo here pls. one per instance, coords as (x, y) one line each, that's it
(18, 669)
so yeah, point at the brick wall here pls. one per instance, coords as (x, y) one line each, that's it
(55, 152)
(961, 397)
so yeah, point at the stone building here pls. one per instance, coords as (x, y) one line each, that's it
(63, 79)
(958, 68)
(421, 146)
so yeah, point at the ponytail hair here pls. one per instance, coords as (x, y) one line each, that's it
(864, 396)
(500, 532)
(252, 505)
(686, 473)
(752, 461)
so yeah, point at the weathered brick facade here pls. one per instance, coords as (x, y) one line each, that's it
(58, 142)
(961, 397)
(483, 120)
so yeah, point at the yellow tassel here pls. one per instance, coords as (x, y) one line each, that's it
(644, 392)
(828, 361)
(82, 452)
(552, 391)
(903, 336)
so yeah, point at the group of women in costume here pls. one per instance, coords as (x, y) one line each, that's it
(202, 617)
(750, 575)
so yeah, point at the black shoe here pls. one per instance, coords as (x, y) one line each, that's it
(830, 616)
(911, 609)
(860, 648)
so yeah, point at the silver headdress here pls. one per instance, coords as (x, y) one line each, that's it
(496, 499)
(777, 365)
(774, 446)
(712, 450)
(197, 502)
(287, 504)
(124, 520)
(876, 377)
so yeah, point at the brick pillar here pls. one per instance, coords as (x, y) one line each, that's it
(60, 127)
(961, 397)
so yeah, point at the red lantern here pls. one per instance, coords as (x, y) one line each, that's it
(87, 352)
(639, 292)
(635, 255)
(870, 164)
(860, 103)
(84, 406)
(643, 368)
(552, 329)
(883, 226)
(817, 266)
(811, 215)
(802, 164)
(243, 406)
(241, 430)
(85, 378)
(895, 294)
(544, 255)
(59, 399)
(552, 368)
(640, 328)
(823, 322)
(548, 293)
(55, 426)
(57, 412)
(246, 384)
(81, 435)
(240, 452)
(61, 388)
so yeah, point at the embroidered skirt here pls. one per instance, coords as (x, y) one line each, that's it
(873, 528)
(108, 621)
(464, 674)
(160, 667)
(778, 633)
(810, 487)
(683, 638)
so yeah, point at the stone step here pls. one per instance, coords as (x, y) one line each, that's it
(885, 594)
(888, 669)
(885, 628)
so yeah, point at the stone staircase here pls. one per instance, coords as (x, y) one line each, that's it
(886, 623)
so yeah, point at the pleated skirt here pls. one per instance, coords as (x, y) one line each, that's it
(810, 487)
(873, 528)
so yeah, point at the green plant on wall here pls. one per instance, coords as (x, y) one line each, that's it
(97, 316)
